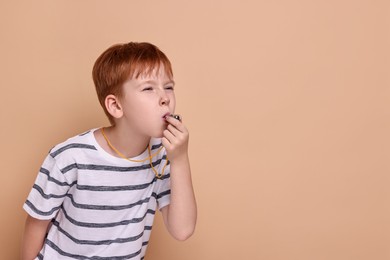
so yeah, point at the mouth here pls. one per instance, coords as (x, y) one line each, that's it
(165, 115)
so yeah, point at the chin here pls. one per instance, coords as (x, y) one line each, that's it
(158, 134)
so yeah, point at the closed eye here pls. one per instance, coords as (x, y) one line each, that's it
(147, 89)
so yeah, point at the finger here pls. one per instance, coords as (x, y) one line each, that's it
(169, 136)
(166, 143)
(173, 130)
(176, 123)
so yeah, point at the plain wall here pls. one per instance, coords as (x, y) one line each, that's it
(287, 103)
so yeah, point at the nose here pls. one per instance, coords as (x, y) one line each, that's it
(164, 99)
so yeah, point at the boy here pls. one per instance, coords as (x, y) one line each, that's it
(96, 194)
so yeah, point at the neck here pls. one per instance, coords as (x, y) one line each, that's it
(128, 142)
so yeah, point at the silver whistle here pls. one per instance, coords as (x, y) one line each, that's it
(177, 117)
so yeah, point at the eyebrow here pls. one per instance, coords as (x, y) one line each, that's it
(154, 82)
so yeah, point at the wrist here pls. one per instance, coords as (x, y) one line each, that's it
(182, 157)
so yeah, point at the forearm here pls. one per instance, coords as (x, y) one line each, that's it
(180, 214)
(33, 237)
(182, 211)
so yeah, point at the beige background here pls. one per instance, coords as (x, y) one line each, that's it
(287, 103)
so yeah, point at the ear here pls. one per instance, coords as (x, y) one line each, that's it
(113, 106)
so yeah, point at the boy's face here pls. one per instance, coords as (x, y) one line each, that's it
(146, 101)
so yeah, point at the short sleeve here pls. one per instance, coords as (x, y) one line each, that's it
(164, 184)
(49, 191)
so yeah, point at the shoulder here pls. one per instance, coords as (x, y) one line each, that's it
(74, 144)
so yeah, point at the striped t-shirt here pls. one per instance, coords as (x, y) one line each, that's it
(101, 206)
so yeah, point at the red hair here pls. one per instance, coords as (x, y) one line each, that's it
(126, 61)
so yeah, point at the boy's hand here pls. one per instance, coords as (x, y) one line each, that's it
(175, 139)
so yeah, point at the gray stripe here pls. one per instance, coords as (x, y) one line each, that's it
(108, 207)
(48, 196)
(164, 193)
(165, 176)
(85, 206)
(156, 146)
(148, 228)
(95, 167)
(90, 207)
(70, 146)
(42, 213)
(85, 133)
(115, 188)
(106, 225)
(81, 257)
(47, 173)
(98, 242)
